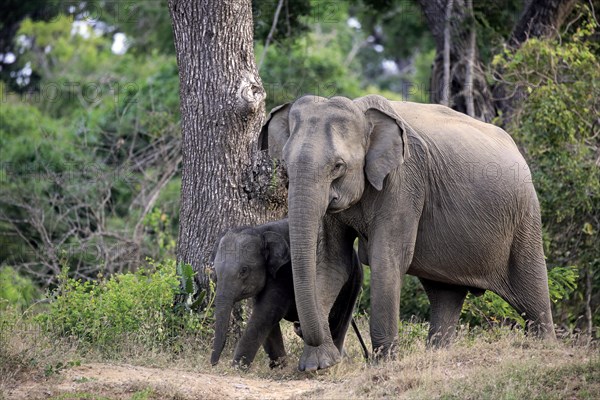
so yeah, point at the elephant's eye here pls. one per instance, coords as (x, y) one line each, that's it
(243, 271)
(339, 167)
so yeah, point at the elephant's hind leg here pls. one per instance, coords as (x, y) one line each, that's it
(343, 307)
(446, 303)
(275, 348)
(526, 286)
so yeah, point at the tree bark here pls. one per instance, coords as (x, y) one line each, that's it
(459, 62)
(445, 96)
(540, 18)
(589, 322)
(469, 104)
(226, 181)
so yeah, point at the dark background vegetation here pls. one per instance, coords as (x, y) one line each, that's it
(90, 142)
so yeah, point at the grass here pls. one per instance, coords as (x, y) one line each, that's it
(481, 364)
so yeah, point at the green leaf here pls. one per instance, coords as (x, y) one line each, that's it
(588, 229)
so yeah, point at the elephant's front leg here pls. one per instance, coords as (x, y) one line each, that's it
(334, 263)
(390, 259)
(385, 304)
(266, 314)
(251, 340)
(327, 354)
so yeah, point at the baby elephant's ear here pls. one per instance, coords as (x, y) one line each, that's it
(277, 251)
(215, 249)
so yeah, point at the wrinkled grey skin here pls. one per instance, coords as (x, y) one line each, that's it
(255, 262)
(429, 191)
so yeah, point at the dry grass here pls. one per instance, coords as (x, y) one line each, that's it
(482, 364)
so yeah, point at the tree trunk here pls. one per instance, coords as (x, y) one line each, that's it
(469, 103)
(445, 95)
(226, 181)
(540, 18)
(467, 81)
(461, 57)
(589, 322)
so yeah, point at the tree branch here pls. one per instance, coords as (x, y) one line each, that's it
(445, 100)
(470, 63)
(541, 18)
(271, 33)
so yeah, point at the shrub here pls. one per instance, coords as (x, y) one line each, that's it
(492, 309)
(556, 125)
(136, 305)
(488, 309)
(15, 289)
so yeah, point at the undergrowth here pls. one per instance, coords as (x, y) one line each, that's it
(130, 307)
(129, 318)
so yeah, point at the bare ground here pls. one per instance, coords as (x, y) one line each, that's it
(494, 364)
(506, 368)
(123, 381)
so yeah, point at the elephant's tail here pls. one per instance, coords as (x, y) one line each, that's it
(360, 339)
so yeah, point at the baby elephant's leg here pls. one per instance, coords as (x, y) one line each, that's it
(275, 348)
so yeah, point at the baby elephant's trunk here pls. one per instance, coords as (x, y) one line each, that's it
(223, 314)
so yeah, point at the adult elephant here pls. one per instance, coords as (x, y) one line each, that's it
(429, 191)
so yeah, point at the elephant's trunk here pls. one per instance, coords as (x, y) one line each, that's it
(305, 211)
(223, 306)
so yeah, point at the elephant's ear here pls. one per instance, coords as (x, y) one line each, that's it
(277, 251)
(275, 132)
(387, 145)
(215, 249)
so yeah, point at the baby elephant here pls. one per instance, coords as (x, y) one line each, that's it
(255, 262)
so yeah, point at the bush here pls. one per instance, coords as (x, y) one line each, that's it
(137, 306)
(488, 309)
(556, 125)
(15, 289)
(492, 309)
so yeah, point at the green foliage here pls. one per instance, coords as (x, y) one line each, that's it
(401, 25)
(411, 334)
(413, 300)
(363, 303)
(562, 281)
(136, 305)
(16, 290)
(312, 64)
(82, 147)
(192, 300)
(491, 309)
(321, 62)
(494, 22)
(291, 21)
(395, 31)
(556, 125)
(158, 232)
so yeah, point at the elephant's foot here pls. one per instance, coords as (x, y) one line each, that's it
(385, 351)
(280, 362)
(297, 329)
(321, 357)
(240, 364)
(440, 339)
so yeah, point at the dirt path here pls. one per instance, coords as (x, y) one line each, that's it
(125, 381)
